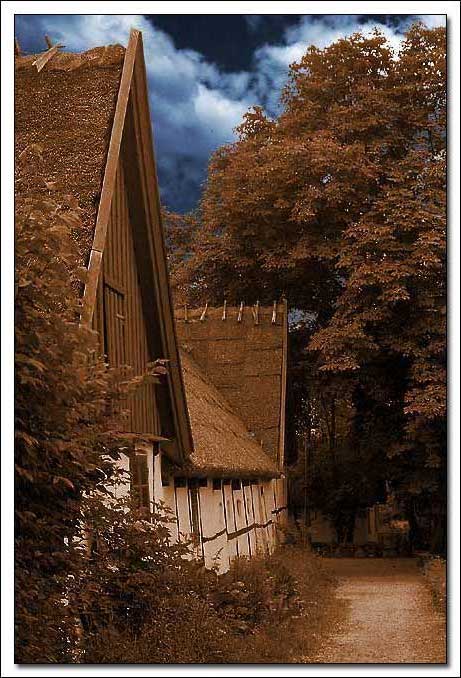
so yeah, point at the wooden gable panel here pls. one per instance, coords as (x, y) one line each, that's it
(122, 316)
(131, 146)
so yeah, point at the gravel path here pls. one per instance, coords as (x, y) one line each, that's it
(389, 615)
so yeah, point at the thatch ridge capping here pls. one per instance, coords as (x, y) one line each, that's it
(96, 57)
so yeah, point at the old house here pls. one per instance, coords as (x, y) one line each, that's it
(88, 116)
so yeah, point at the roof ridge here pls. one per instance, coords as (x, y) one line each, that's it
(54, 59)
(225, 312)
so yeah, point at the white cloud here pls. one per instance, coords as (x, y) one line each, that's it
(433, 20)
(216, 111)
(194, 104)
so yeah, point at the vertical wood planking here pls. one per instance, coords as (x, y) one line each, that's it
(125, 326)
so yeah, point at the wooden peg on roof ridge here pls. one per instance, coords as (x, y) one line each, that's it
(41, 61)
(256, 313)
(224, 310)
(49, 44)
(202, 317)
(274, 313)
(240, 315)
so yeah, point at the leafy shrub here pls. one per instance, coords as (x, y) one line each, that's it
(63, 425)
(140, 597)
(253, 591)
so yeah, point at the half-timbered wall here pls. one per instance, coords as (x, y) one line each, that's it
(224, 519)
(119, 316)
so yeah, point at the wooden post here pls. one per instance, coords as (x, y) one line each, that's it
(256, 313)
(224, 310)
(240, 315)
(307, 471)
(17, 48)
(49, 44)
(274, 313)
(202, 317)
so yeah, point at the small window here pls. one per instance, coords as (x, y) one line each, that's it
(140, 479)
(235, 484)
(114, 324)
(216, 484)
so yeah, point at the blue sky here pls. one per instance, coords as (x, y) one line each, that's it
(205, 72)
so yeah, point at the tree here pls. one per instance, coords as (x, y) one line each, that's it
(339, 204)
(179, 233)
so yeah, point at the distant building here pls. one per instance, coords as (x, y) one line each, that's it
(88, 117)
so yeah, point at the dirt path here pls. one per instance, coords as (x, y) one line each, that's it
(389, 615)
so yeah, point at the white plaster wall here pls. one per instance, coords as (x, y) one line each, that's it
(215, 552)
(270, 513)
(123, 489)
(230, 520)
(182, 504)
(224, 510)
(165, 496)
(240, 522)
(251, 519)
(260, 515)
(157, 478)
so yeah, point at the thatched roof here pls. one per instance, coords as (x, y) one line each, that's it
(223, 446)
(66, 110)
(244, 356)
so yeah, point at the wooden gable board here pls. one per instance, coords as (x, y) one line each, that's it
(131, 147)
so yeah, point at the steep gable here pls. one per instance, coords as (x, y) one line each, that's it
(90, 115)
(242, 351)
